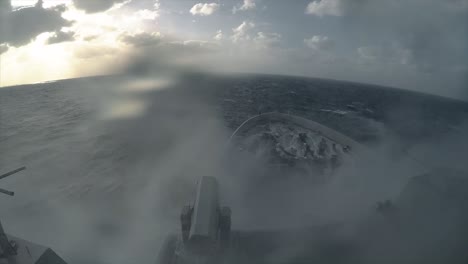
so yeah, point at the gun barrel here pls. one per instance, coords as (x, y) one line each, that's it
(205, 216)
(7, 192)
(11, 172)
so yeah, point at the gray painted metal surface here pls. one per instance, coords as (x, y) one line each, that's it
(14, 250)
(205, 216)
(31, 253)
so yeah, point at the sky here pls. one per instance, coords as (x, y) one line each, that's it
(412, 44)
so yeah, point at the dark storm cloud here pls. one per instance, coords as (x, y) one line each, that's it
(5, 6)
(60, 36)
(428, 38)
(3, 48)
(94, 6)
(434, 31)
(20, 26)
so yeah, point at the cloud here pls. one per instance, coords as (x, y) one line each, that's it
(147, 14)
(380, 36)
(94, 6)
(157, 4)
(369, 52)
(434, 40)
(60, 36)
(325, 7)
(151, 12)
(318, 43)
(5, 7)
(160, 52)
(3, 48)
(173, 55)
(20, 26)
(219, 35)
(458, 4)
(242, 31)
(385, 54)
(204, 9)
(247, 5)
(93, 51)
(267, 40)
(344, 7)
(141, 39)
(197, 46)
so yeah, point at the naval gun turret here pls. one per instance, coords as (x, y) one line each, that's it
(205, 229)
(14, 250)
